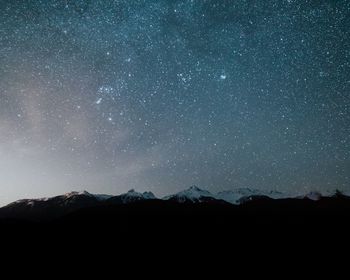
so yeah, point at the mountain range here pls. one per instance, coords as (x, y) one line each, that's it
(58, 206)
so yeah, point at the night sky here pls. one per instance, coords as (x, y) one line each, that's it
(160, 95)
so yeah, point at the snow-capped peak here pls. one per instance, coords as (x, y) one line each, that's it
(77, 193)
(194, 188)
(149, 195)
(132, 192)
(235, 196)
(196, 192)
(146, 195)
(192, 194)
(99, 197)
(130, 197)
(315, 196)
(66, 198)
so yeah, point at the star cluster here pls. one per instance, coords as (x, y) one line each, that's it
(161, 94)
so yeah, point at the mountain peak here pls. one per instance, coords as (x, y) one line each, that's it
(315, 196)
(131, 196)
(77, 193)
(194, 188)
(132, 192)
(192, 194)
(149, 195)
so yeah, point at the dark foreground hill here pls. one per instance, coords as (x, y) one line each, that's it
(281, 233)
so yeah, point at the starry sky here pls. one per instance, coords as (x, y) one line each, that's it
(162, 94)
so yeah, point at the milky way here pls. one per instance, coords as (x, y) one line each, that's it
(159, 95)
